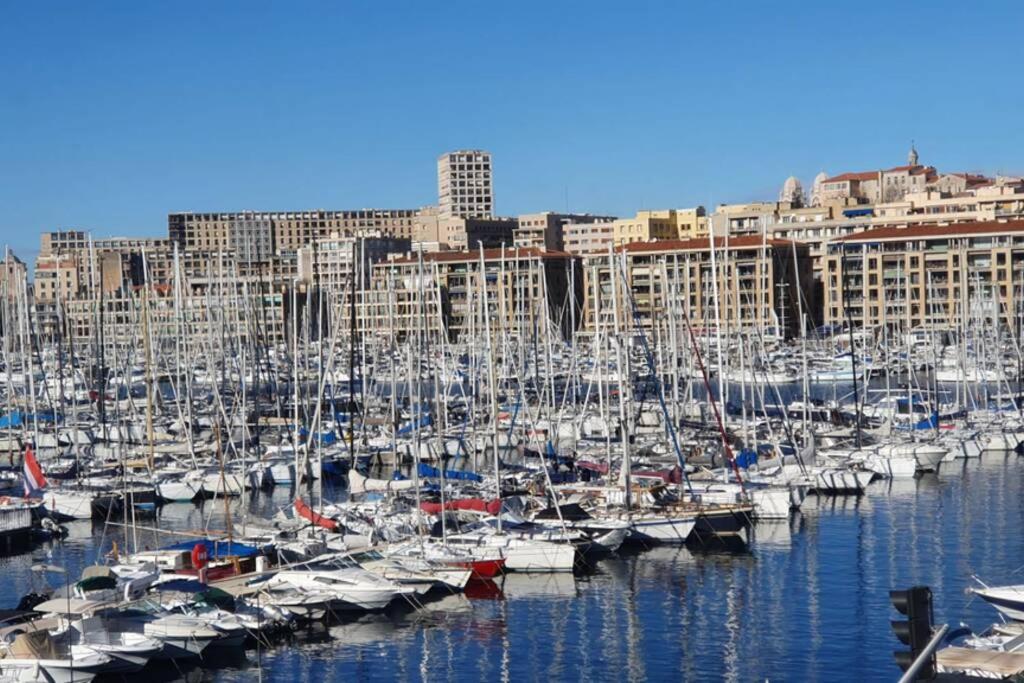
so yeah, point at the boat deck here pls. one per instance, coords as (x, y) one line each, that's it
(986, 663)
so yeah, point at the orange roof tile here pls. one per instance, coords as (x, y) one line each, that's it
(924, 231)
(842, 177)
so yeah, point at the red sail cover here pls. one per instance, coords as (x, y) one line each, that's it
(305, 512)
(491, 507)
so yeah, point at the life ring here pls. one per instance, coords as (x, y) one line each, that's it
(199, 555)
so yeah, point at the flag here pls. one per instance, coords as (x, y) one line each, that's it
(33, 477)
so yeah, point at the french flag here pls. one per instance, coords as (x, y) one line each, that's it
(33, 477)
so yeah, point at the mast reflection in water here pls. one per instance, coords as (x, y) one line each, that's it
(804, 600)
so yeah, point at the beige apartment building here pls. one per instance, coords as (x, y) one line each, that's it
(259, 234)
(340, 264)
(62, 242)
(661, 282)
(56, 278)
(13, 274)
(465, 184)
(817, 226)
(583, 239)
(665, 224)
(473, 233)
(925, 275)
(743, 219)
(187, 319)
(547, 230)
(524, 288)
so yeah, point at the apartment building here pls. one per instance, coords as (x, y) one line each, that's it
(525, 288)
(173, 320)
(56, 278)
(546, 230)
(62, 242)
(925, 275)
(746, 282)
(465, 184)
(13, 275)
(339, 265)
(665, 224)
(259, 234)
(583, 239)
(461, 233)
(743, 219)
(816, 226)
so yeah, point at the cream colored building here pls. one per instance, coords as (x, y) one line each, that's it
(260, 234)
(742, 219)
(547, 230)
(583, 239)
(925, 275)
(757, 284)
(817, 226)
(525, 288)
(56, 278)
(665, 224)
(338, 266)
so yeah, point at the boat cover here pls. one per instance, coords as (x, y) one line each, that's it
(458, 475)
(217, 549)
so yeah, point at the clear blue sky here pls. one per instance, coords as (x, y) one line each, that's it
(113, 114)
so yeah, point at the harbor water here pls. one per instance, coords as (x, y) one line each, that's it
(805, 600)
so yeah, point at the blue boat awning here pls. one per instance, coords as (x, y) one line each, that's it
(218, 549)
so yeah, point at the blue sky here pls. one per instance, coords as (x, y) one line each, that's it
(113, 114)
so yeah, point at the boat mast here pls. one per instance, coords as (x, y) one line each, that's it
(492, 359)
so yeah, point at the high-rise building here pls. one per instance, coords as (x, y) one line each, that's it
(464, 184)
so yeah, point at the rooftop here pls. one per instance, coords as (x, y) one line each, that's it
(701, 244)
(488, 255)
(925, 231)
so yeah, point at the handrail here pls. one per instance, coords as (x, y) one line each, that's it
(928, 651)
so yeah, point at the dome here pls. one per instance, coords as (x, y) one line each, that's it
(792, 191)
(820, 178)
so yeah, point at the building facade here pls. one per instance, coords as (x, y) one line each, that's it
(925, 276)
(260, 234)
(665, 224)
(546, 230)
(465, 184)
(742, 283)
(515, 291)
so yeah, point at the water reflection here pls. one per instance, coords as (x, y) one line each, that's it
(797, 600)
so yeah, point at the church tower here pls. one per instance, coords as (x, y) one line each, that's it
(912, 157)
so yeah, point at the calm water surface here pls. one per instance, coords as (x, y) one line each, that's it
(803, 601)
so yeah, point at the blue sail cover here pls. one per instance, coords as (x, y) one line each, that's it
(423, 421)
(746, 458)
(428, 471)
(181, 586)
(218, 549)
(17, 418)
(11, 420)
(931, 422)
